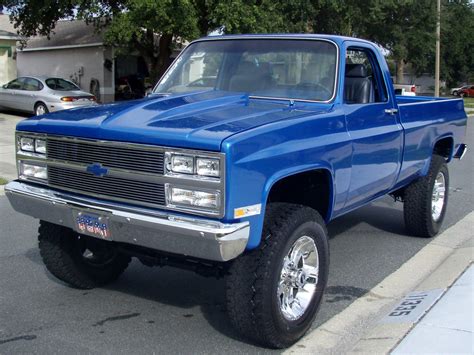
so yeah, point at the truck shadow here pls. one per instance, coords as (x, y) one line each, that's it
(387, 218)
(188, 294)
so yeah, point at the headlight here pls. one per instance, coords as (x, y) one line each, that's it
(193, 198)
(27, 144)
(29, 170)
(197, 166)
(40, 146)
(183, 164)
(208, 167)
(31, 145)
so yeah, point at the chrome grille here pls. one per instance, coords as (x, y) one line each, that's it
(107, 186)
(134, 159)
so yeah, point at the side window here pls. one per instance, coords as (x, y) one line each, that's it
(15, 84)
(363, 82)
(32, 85)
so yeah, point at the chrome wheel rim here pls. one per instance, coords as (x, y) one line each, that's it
(438, 197)
(40, 110)
(298, 278)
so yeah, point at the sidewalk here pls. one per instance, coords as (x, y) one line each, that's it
(447, 328)
(7, 145)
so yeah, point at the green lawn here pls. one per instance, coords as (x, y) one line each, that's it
(469, 102)
(3, 181)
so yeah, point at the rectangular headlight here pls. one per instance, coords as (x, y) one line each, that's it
(27, 144)
(208, 167)
(32, 145)
(29, 170)
(183, 164)
(193, 198)
(40, 146)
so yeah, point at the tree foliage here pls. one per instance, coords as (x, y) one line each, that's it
(406, 28)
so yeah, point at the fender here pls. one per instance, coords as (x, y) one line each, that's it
(426, 167)
(257, 221)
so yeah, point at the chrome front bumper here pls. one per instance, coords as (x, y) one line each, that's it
(200, 238)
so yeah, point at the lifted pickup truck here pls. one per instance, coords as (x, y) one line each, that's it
(232, 167)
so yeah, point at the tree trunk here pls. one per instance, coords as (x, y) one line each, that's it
(161, 63)
(400, 71)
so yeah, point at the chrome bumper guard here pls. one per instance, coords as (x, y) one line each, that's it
(200, 238)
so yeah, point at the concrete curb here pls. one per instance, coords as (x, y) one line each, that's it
(358, 329)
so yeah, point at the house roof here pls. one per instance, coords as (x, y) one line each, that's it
(9, 35)
(66, 34)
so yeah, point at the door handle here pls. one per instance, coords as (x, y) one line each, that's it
(391, 111)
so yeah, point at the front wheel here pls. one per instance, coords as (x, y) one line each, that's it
(81, 261)
(274, 292)
(426, 200)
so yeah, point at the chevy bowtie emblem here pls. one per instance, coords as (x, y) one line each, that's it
(97, 169)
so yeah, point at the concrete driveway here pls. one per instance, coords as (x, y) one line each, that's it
(7, 145)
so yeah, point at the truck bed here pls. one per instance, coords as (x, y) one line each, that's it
(425, 120)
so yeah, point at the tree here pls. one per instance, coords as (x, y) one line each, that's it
(406, 28)
(153, 27)
(457, 42)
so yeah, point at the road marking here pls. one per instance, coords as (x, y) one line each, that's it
(411, 308)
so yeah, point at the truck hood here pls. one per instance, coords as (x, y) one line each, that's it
(198, 120)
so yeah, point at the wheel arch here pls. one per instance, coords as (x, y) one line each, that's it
(291, 186)
(444, 146)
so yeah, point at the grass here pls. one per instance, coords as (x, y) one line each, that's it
(3, 181)
(469, 102)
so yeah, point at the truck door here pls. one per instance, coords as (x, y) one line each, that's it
(373, 124)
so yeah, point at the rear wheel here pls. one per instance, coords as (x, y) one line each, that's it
(81, 261)
(274, 291)
(426, 200)
(41, 109)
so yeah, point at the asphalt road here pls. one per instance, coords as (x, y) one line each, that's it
(163, 309)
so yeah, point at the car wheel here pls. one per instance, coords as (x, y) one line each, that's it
(461, 94)
(81, 261)
(426, 200)
(274, 292)
(41, 109)
(455, 93)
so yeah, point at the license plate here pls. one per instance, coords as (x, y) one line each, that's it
(92, 224)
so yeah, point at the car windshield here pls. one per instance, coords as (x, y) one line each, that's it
(61, 84)
(278, 68)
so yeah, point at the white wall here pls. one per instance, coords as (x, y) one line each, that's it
(7, 63)
(66, 63)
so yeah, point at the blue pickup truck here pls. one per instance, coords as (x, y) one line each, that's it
(247, 147)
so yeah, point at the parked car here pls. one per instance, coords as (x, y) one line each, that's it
(405, 89)
(455, 91)
(467, 91)
(42, 94)
(238, 180)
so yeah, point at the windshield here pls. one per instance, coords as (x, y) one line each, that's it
(61, 84)
(279, 68)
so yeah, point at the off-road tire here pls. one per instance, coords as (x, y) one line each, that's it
(59, 248)
(252, 280)
(417, 201)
